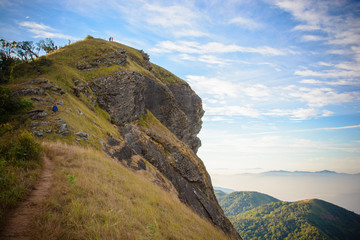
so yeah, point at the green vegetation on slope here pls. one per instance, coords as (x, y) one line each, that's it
(165, 76)
(95, 197)
(311, 219)
(238, 202)
(19, 151)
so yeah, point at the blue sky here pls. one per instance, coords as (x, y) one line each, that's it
(279, 79)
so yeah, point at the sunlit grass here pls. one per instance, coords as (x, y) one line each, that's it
(104, 200)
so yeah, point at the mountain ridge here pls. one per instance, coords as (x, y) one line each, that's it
(111, 98)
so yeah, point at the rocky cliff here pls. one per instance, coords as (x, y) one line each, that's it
(158, 117)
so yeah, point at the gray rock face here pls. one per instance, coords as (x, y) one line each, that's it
(108, 58)
(31, 91)
(63, 130)
(38, 133)
(37, 114)
(181, 166)
(126, 96)
(190, 103)
(83, 135)
(121, 95)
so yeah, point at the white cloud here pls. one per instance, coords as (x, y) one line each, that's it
(319, 97)
(217, 119)
(338, 51)
(190, 33)
(34, 25)
(163, 18)
(319, 15)
(213, 86)
(44, 31)
(222, 88)
(299, 113)
(257, 90)
(210, 59)
(304, 113)
(306, 28)
(311, 81)
(169, 16)
(329, 73)
(312, 38)
(232, 111)
(212, 47)
(331, 83)
(245, 22)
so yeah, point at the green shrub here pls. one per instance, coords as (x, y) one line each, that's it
(19, 167)
(11, 104)
(26, 104)
(22, 148)
(8, 102)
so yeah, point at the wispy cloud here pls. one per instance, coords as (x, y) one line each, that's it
(299, 113)
(43, 31)
(212, 47)
(169, 16)
(209, 59)
(323, 15)
(245, 22)
(337, 82)
(233, 111)
(320, 97)
(303, 130)
(213, 86)
(312, 38)
(220, 88)
(334, 73)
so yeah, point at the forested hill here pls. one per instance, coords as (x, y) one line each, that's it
(238, 202)
(307, 219)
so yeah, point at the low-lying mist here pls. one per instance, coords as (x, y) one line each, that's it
(340, 189)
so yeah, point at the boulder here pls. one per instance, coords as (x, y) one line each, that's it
(63, 130)
(83, 135)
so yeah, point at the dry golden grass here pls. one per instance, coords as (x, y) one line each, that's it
(95, 197)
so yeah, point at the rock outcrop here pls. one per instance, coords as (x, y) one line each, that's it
(178, 163)
(159, 123)
(126, 96)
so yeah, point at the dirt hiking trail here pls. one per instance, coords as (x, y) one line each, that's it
(18, 223)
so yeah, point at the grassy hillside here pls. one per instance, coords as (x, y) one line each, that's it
(92, 196)
(95, 197)
(238, 202)
(309, 219)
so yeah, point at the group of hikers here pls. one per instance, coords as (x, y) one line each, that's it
(111, 39)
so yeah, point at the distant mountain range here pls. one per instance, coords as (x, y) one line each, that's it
(259, 216)
(342, 189)
(323, 172)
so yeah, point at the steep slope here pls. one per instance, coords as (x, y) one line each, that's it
(95, 197)
(111, 98)
(238, 202)
(308, 219)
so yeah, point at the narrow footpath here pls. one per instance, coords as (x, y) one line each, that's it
(18, 223)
